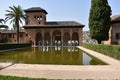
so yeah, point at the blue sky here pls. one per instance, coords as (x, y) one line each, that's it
(60, 10)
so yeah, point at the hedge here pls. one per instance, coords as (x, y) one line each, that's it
(19, 78)
(13, 46)
(109, 50)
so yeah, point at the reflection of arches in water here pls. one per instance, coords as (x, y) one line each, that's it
(45, 49)
(72, 49)
(38, 38)
(75, 39)
(66, 38)
(56, 37)
(47, 39)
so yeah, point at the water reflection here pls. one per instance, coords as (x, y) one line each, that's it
(50, 55)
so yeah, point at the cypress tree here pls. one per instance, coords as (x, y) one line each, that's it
(99, 20)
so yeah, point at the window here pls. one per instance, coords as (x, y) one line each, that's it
(21, 35)
(40, 18)
(37, 17)
(26, 34)
(117, 35)
(39, 22)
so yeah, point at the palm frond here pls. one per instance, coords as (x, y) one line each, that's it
(3, 26)
(2, 20)
(16, 16)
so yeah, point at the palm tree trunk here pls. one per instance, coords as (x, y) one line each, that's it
(17, 25)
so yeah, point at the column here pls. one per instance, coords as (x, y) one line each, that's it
(70, 35)
(62, 33)
(34, 38)
(42, 37)
(51, 37)
(80, 37)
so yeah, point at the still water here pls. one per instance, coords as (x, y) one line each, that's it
(50, 55)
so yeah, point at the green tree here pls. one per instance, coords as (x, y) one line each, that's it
(99, 20)
(16, 16)
(2, 21)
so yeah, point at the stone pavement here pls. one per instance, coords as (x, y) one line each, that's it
(111, 71)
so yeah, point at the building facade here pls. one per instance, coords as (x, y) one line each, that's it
(10, 36)
(114, 32)
(57, 33)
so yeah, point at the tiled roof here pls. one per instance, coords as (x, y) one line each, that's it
(63, 23)
(115, 18)
(58, 24)
(36, 9)
(10, 31)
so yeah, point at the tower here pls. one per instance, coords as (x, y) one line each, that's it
(36, 16)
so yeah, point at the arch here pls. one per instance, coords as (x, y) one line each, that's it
(75, 38)
(66, 38)
(56, 36)
(47, 38)
(38, 38)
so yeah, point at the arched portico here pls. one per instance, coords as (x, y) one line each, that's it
(66, 38)
(75, 39)
(38, 38)
(56, 37)
(47, 39)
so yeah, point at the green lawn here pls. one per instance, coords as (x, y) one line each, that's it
(19, 78)
(109, 50)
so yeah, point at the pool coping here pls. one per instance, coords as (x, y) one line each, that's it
(111, 71)
(102, 57)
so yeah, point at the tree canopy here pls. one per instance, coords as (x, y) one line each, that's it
(16, 16)
(99, 20)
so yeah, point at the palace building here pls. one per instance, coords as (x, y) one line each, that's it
(45, 33)
(114, 31)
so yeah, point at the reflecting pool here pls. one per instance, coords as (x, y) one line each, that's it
(50, 55)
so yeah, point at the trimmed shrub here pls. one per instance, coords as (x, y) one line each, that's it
(13, 46)
(110, 50)
(19, 78)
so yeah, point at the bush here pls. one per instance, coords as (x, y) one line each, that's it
(119, 42)
(13, 46)
(110, 50)
(19, 78)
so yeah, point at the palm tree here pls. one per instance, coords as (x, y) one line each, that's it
(16, 16)
(2, 20)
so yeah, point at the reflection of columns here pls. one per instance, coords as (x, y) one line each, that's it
(34, 38)
(80, 58)
(51, 37)
(34, 43)
(80, 37)
(42, 37)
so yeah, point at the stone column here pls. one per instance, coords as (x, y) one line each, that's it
(80, 37)
(62, 33)
(51, 37)
(70, 34)
(42, 37)
(34, 38)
